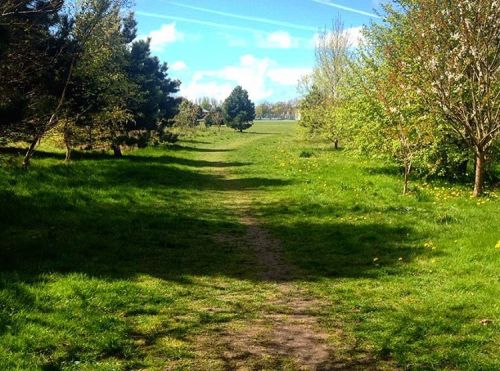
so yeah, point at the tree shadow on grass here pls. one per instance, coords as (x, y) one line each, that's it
(112, 222)
(132, 175)
(163, 159)
(176, 147)
(343, 249)
(184, 161)
(93, 210)
(114, 240)
(102, 155)
(54, 231)
(341, 242)
(257, 133)
(195, 141)
(388, 169)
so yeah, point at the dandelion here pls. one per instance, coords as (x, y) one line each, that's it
(429, 245)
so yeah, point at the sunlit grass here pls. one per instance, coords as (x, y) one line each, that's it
(115, 264)
(413, 278)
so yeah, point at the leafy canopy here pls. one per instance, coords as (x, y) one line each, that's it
(239, 110)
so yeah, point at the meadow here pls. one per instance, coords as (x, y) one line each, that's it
(141, 262)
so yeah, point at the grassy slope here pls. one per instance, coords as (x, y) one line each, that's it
(115, 264)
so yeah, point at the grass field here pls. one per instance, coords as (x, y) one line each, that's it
(134, 263)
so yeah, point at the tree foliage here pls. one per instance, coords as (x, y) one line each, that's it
(189, 115)
(422, 88)
(28, 54)
(74, 67)
(286, 110)
(325, 87)
(239, 110)
(457, 74)
(215, 118)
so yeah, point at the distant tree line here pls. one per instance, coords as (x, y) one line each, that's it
(75, 68)
(286, 110)
(423, 88)
(237, 112)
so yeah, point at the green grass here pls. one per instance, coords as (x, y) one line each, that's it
(117, 264)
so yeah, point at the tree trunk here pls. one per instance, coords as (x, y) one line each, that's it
(67, 143)
(53, 119)
(68, 152)
(336, 143)
(407, 169)
(117, 152)
(479, 176)
(31, 150)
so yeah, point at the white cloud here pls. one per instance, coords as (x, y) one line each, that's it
(234, 41)
(354, 35)
(178, 66)
(278, 40)
(287, 76)
(253, 74)
(196, 89)
(250, 74)
(272, 40)
(167, 34)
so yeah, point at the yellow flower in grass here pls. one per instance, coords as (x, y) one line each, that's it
(429, 245)
(498, 245)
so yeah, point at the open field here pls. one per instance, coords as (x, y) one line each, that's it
(209, 254)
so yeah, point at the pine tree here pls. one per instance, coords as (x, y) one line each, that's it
(239, 110)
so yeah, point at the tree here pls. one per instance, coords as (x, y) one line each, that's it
(238, 109)
(328, 81)
(457, 49)
(29, 50)
(406, 126)
(313, 112)
(277, 111)
(332, 59)
(207, 103)
(88, 19)
(188, 116)
(99, 93)
(73, 66)
(215, 118)
(155, 105)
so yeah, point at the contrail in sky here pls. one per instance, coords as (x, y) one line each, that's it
(247, 18)
(338, 6)
(197, 21)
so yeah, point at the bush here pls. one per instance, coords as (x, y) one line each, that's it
(305, 154)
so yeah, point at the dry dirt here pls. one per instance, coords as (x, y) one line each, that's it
(286, 334)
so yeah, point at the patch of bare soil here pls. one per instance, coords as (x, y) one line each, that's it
(286, 335)
(267, 250)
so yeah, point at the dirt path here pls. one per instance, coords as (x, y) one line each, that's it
(286, 333)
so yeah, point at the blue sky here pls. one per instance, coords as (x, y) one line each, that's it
(263, 45)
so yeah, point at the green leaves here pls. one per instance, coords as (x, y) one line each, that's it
(239, 110)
